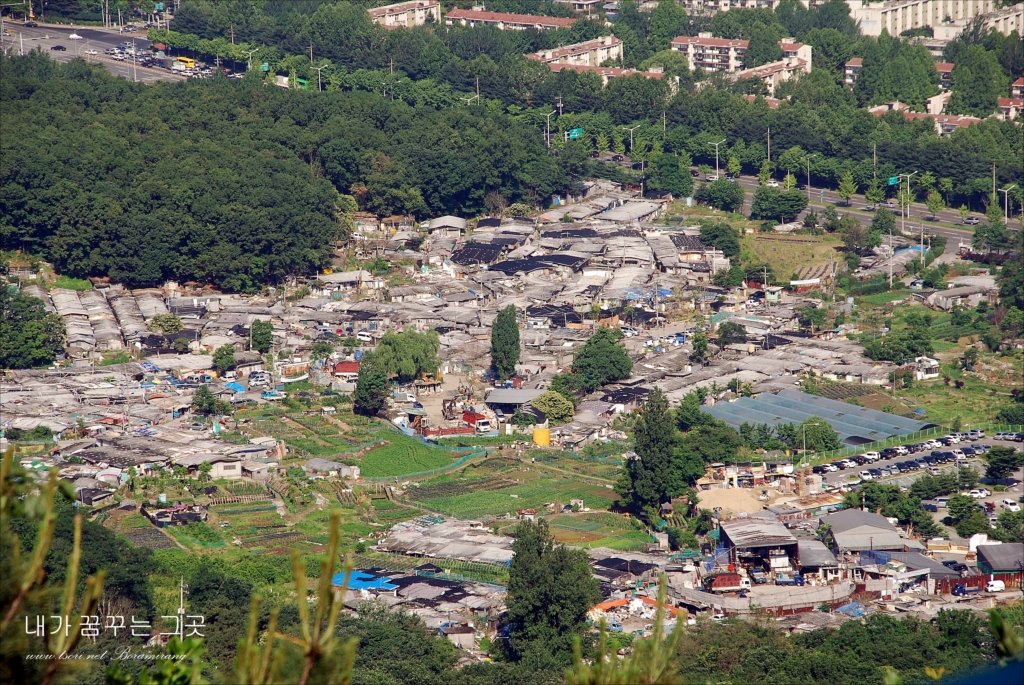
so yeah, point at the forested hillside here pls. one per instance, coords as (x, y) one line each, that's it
(234, 183)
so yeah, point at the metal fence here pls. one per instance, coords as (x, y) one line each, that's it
(903, 440)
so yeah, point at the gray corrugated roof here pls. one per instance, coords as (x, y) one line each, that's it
(756, 532)
(849, 519)
(1006, 557)
(815, 553)
(513, 395)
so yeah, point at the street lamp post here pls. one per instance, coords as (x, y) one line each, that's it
(319, 86)
(716, 156)
(808, 161)
(903, 214)
(547, 127)
(631, 140)
(1006, 202)
(248, 59)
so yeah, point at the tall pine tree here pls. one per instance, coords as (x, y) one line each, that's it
(652, 478)
(505, 342)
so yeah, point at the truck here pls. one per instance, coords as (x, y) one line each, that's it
(959, 590)
(272, 395)
(480, 422)
(789, 579)
(758, 576)
(729, 582)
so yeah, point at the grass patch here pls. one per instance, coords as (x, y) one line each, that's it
(116, 358)
(534, 496)
(69, 283)
(786, 257)
(403, 456)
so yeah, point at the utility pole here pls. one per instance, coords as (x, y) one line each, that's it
(874, 160)
(994, 196)
(547, 126)
(232, 35)
(808, 160)
(631, 139)
(135, 63)
(1006, 203)
(559, 105)
(716, 156)
(769, 144)
(903, 218)
(475, 97)
(319, 88)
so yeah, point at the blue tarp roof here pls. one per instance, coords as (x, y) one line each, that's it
(237, 387)
(363, 581)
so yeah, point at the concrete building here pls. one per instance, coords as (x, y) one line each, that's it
(407, 14)
(853, 530)
(852, 71)
(776, 73)
(591, 53)
(221, 465)
(505, 21)
(897, 16)
(1010, 108)
(712, 54)
(608, 73)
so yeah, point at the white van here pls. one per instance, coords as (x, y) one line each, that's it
(995, 586)
(364, 336)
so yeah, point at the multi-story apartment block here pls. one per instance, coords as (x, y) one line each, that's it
(897, 16)
(582, 5)
(592, 53)
(722, 54)
(505, 21)
(407, 14)
(711, 54)
(1017, 88)
(945, 70)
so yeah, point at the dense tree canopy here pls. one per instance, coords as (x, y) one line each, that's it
(28, 335)
(601, 359)
(505, 342)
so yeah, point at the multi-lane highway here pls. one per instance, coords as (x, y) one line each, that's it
(24, 39)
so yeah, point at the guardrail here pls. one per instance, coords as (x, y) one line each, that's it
(905, 439)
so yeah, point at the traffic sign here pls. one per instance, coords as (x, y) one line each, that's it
(893, 180)
(575, 133)
(265, 67)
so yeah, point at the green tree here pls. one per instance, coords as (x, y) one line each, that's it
(671, 173)
(935, 202)
(689, 414)
(1002, 462)
(720, 235)
(550, 590)
(29, 336)
(762, 48)
(874, 193)
(601, 360)
(734, 166)
(847, 188)
(820, 435)
(883, 223)
(651, 478)
(371, 385)
(203, 401)
(204, 471)
(322, 349)
(558, 409)
(726, 195)
(701, 353)
(568, 385)
(224, 358)
(730, 333)
(408, 354)
(505, 342)
(812, 317)
(667, 22)
(977, 82)
(261, 336)
(961, 506)
(166, 324)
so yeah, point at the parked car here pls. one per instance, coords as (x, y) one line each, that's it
(1010, 505)
(901, 450)
(1003, 436)
(976, 494)
(984, 447)
(867, 475)
(31, 24)
(885, 471)
(954, 565)
(995, 586)
(59, 48)
(871, 456)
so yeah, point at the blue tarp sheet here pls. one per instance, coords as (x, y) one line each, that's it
(362, 581)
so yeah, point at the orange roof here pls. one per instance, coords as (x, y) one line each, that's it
(855, 62)
(944, 66)
(612, 603)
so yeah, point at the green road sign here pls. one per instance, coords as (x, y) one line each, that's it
(893, 180)
(575, 133)
(265, 67)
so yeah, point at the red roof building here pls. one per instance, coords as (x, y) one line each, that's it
(346, 368)
(505, 21)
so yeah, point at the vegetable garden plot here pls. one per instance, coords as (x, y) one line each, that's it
(458, 488)
(150, 538)
(404, 455)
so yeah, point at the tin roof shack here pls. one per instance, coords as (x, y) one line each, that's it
(447, 226)
(815, 558)
(1003, 562)
(462, 636)
(968, 296)
(221, 465)
(447, 539)
(762, 542)
(178, 515)
(854, 530)
(623, 571)
(322, 467)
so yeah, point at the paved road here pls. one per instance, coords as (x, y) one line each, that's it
(45, 37)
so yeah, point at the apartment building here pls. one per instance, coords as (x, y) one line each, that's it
(582, 5)
(896, 16)
(712, 54)
(852, 70)
(776, 73)
(945, 70)
(407, 14)
(722, 54)
(505, 21)
(1017, 88)
(591, 53)
(608, 73)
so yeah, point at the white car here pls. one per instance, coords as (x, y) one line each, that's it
(772, 184)
(951, 439)
(74, 36)
(985, 492)
(91, 52)
(976, 494)
(901, 450)
(718, 616)
(752, 304)
(866, 475)
(932, 445)
(872, 456)
(830, 467)
(1010, 505)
